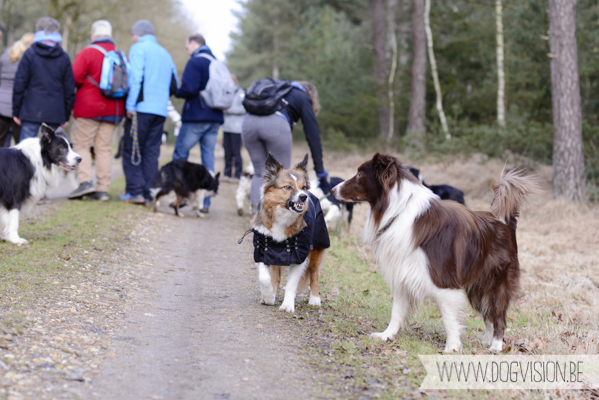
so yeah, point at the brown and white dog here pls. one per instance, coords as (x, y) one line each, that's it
(426, 247)
(280, 216)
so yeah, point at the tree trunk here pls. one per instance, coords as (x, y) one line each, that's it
(431, 56)
(392, 40)
(275, 61)
(65, 33)
(378, 39)
(418, 91)
(500, 71)
(568, 160)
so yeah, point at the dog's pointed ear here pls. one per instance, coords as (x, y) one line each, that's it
(385, 168)
(272, 166)
(217, 175)
(303, 166)
(46, 132)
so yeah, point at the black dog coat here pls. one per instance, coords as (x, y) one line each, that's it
(295, 249)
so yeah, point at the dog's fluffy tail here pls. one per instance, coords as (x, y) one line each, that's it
(512, 190)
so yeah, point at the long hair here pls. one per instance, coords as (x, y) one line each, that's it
(313, 93)
(17, 49)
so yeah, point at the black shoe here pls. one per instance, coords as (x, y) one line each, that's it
(83, 189)
(100, 196)
(204, 210)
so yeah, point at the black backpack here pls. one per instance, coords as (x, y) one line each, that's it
(264, 97)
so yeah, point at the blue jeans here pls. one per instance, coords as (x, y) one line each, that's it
(139, 178)
(30, 129)
(191, 133)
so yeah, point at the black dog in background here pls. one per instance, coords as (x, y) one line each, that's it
(191, 183)
(445, 192)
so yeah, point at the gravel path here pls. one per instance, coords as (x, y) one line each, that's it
(201, 332)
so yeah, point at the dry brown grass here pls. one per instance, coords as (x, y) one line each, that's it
(558, 309)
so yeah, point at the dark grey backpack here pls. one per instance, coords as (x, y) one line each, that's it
(264, 97)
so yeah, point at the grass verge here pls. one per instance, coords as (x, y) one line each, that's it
(63, 241)
(357, 302)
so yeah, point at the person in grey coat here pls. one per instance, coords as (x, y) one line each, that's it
(9, 62)
(232, 134)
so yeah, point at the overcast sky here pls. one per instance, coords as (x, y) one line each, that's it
(215, 21)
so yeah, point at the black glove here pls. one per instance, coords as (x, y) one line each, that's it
(325, 186)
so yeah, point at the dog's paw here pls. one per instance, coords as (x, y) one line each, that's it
(451, 347)
(268, 300)
(290, 308)
(314, 300)
(382, 336)
(200, 215)
(18, 240)
(496, 345)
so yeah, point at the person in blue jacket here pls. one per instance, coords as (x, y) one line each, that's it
(152, 80)
(200, 122)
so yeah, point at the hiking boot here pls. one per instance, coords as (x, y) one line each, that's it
(84, 188)
(100, 196)
(129, 198)
(204, 210)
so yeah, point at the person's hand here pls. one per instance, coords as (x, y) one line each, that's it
(17, 120)
(325, 185)
(323, 179)
(130, 114)
(64, 124)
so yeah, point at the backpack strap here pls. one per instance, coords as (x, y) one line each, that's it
(206, 55)
(101, 50)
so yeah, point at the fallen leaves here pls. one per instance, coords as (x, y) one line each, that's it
(63, 333)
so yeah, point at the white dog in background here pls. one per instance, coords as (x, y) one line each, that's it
(243, 190)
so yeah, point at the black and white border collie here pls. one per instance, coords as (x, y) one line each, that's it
(334, 210)
(26, 172)
(191, 183)
(426, 247)
(445, 192)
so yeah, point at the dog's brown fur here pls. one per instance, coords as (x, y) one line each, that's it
(278, 186)
(471, 250)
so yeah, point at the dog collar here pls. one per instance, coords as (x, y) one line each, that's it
(386, 227)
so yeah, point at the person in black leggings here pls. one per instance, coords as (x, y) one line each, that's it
(262, 134)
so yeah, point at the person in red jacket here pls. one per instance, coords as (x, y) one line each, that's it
(96, 116)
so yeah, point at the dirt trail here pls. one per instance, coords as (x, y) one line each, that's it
(201, 332)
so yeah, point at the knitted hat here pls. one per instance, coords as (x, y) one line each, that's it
(142, 27)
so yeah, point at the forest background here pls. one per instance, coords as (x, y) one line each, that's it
(333, 44)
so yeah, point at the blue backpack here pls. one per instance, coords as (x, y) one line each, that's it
(114, 81)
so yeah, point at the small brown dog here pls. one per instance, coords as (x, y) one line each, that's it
(289, 229)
